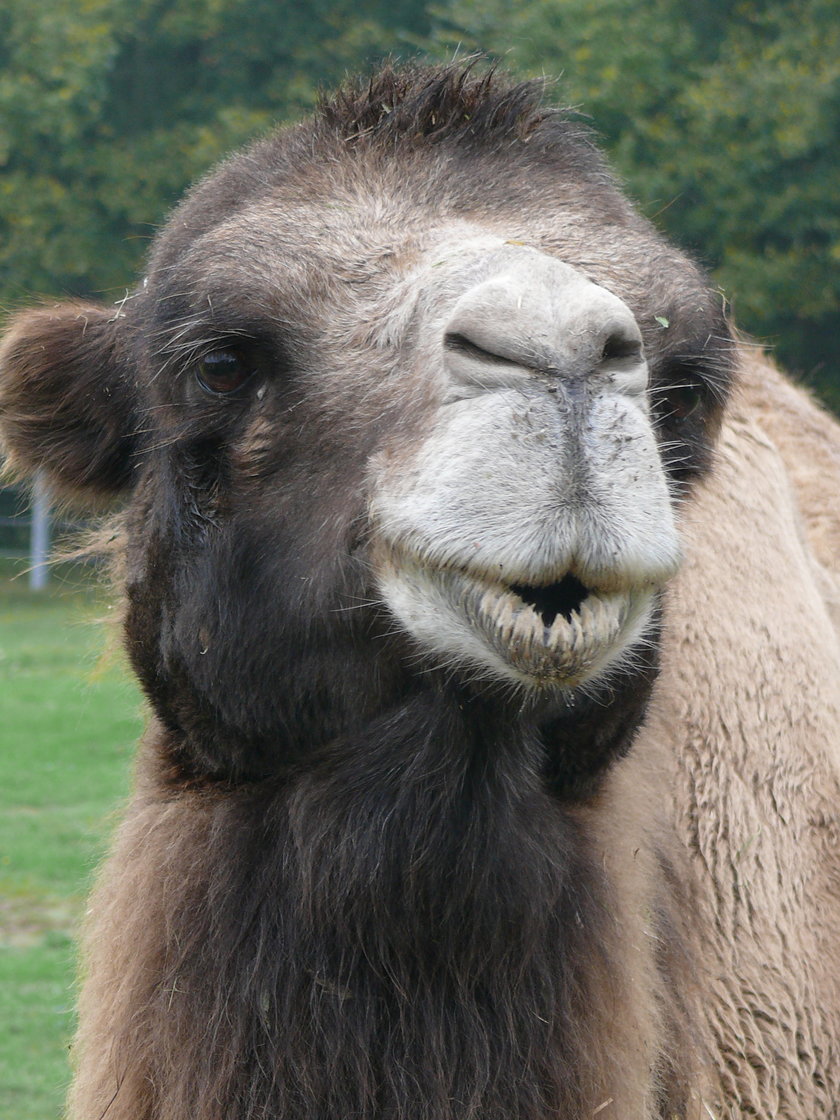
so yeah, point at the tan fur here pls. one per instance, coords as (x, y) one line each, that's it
(745, 725)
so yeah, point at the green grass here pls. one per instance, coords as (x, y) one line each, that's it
(69, 717)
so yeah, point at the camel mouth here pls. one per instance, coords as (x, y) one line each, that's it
(560, 633)
(564, 597)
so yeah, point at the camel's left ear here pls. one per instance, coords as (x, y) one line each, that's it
(68, 399)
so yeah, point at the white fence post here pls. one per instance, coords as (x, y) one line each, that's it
(39, 536)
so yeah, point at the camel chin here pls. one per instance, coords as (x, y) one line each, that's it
(558, 635)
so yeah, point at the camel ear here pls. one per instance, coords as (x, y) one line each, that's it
(68, 399)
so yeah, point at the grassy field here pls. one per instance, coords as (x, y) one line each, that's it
(69, 716)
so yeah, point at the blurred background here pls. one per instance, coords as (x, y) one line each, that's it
(721, 116)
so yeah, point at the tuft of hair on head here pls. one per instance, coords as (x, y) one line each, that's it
(462, 101)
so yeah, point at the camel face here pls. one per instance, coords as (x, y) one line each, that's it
(406, 415)
(448, 458)
(525, 536)
(393, 414)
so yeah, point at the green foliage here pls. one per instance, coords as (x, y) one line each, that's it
(108, 109)
(723, 117)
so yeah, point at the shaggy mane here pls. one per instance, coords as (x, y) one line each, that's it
(459, 103)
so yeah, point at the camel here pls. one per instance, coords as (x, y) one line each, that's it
(485, 591)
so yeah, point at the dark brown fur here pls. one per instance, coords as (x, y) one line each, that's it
(351, 885)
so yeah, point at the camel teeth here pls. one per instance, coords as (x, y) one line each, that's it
(508, 633)
(558, 633)
(579, 633)
(482, 605)
(563, 651)
(586, 612)
(622, 612)
(508, 618)
(601, 619)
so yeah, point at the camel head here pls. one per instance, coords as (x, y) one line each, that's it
(405, 405)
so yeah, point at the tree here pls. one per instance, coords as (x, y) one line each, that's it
(109, 109)
(724, 118)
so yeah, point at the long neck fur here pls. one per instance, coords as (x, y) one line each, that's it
(411, 929)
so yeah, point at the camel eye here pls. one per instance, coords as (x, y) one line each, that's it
(683, 401)
(222, 372)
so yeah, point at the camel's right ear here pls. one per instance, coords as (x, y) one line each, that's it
(68, 399)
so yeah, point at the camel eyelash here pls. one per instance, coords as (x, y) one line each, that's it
(679, 394)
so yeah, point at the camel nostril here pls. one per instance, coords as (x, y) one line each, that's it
(618, 346)
(461, 344)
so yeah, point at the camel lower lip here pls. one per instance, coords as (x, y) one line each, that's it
(567, 650)
(566, 636)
